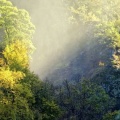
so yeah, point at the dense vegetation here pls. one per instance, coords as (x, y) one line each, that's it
(22, 94)
(93, 90)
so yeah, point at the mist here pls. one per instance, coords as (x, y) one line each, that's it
(55, 39)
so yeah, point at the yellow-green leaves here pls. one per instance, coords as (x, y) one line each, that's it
(9, 78)
(17, 54)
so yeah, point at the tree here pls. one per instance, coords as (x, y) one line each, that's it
(17, 54)
(14, 96)
(86, 101)
(15, 23)
(45, 106)
(16, 33)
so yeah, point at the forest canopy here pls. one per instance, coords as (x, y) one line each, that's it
(93, 90)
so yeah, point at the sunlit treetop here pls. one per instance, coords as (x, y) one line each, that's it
(14, 22)
(17, 54)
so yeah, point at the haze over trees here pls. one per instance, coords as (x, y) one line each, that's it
(87, 87)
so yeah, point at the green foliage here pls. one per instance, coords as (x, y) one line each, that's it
(24, 96)
(112, 116)
(45, 107)
(103, 17)
(85, 100)
(50, 110)
(14, 97)
(15, 23)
